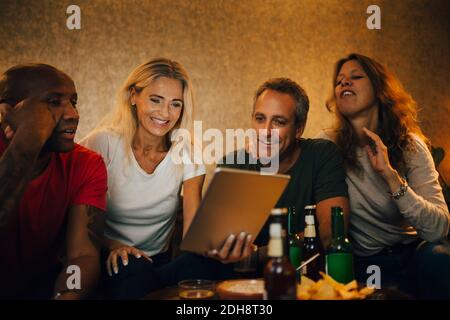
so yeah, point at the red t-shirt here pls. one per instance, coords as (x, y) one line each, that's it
(32, 246)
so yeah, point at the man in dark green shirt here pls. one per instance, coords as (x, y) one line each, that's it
(315, 165)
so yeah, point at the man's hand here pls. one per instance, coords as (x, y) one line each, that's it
(37, 117)
(233, 250)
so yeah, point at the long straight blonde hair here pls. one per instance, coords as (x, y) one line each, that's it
(123, 119)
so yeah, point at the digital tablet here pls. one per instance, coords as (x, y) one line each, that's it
(236, 201)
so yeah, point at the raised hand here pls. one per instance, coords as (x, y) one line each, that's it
(379, 159)
(38, 118)
(378, 154)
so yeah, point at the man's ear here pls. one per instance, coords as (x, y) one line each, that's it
(299, 131)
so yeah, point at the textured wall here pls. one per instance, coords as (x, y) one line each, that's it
(230, 47)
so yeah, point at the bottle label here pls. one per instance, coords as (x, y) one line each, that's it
(310, 231)
(339, 266)
(275, 248)
(309, 219)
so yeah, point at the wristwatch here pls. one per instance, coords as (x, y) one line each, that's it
(401, 192)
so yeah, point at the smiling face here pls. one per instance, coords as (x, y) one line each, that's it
(354, 91)
(276, 110)
(159, 105)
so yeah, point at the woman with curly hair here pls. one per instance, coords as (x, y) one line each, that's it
(399, 218)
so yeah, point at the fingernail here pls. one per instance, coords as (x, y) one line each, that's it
(214, 251)
(125, 263)
(138, 256)
(110, 274)
(249, 236)
(242, 235)
(232, 236)
(116, 271)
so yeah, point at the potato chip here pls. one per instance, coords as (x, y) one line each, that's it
(331, 281)
(366, 291)
(349, 295)
(329, 289)
(351, 285)
(325, 292)
(307, 281)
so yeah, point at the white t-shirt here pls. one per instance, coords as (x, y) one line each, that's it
(141, 207)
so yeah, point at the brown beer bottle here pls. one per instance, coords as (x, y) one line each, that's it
(312, 246)
(279, 274)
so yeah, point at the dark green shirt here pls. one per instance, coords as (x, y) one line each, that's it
(318, 174)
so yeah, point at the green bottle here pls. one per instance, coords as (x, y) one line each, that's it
(294, 239)
(339, 258)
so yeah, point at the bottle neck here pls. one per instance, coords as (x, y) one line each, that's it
(337, 225)
(292, 224)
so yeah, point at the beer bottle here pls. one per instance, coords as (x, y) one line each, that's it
(279, 274)
(339, 258)
(312, 246)
(294, 238)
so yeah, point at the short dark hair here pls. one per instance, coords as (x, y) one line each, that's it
(288, 86)
(17, 82)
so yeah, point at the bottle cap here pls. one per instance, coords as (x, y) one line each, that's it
(310, 207)
(278, 211)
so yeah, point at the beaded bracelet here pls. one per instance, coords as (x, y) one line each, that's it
(401, 192)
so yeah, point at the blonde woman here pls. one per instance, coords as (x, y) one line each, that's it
(144, 181)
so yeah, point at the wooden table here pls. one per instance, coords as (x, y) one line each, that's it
(169, 293)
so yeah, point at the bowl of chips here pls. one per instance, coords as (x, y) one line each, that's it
(329, 289)
(241, 289)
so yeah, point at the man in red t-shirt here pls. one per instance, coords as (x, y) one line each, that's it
(52, 191)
